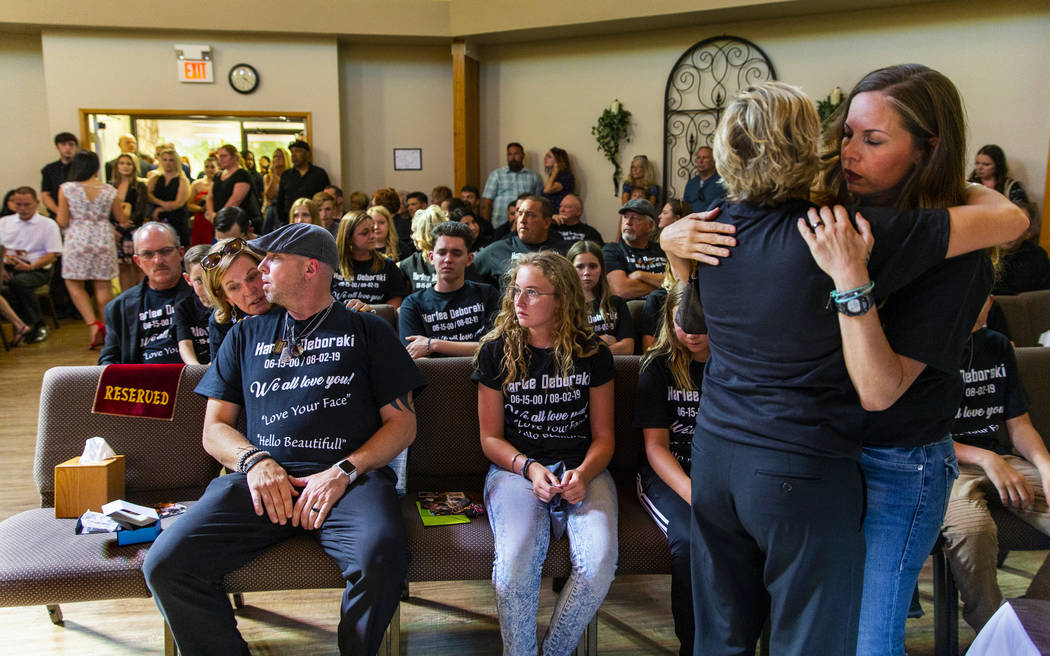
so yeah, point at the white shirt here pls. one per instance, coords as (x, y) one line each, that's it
(31, 239)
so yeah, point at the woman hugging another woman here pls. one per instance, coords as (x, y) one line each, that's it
(545, 409)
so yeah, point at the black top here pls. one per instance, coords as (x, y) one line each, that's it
(370, 286)
(621, 257)
(418, 272)
(464, 315)
(547, 416)
(315, 409)
(497, 258)
(156, 326)
(994, 393)
(653, 312)
(191, 322)
(221, 190)
(661, 403)
(52, 176)
(579, 232)
(216, 334)
(405, 245)
(776, 377)
(294, 185)
(930, 321)
(617, 322)
(168, 190)
(1026, 269)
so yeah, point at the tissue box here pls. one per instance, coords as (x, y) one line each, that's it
(79, 488)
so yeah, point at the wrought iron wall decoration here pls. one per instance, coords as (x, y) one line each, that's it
(703, 79)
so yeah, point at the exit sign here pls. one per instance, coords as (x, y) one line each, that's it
(194, 70)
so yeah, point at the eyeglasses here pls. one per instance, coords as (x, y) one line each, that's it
(531, 293)
(163, 252)
(232, 247)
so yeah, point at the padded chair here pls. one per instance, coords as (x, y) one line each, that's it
(1014, 534)
(1027, 315)
(387, 312)
(635, 307)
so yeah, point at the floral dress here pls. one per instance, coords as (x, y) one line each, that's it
(90, 248)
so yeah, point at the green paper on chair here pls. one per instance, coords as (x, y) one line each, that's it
(430, 519)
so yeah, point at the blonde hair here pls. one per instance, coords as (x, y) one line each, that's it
(315, 217)
(765, 146)
(679, 358)
(391, 231)
(345, 240)
(224, 310)
(572, 334)
(423, 224)
(648, 178)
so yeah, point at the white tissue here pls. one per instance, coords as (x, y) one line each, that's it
(96, 450)
(1044, 339)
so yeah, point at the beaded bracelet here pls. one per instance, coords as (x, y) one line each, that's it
(244, 456)
(525, 468)
(256, 459)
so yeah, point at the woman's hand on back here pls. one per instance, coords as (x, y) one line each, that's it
(838, 249)
(698, 237)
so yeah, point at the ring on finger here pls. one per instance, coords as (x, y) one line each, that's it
(315, 509)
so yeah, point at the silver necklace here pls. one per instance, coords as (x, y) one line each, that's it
(293, 344)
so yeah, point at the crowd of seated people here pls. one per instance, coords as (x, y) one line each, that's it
(510, 272)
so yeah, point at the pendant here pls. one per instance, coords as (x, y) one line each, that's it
(278, 346)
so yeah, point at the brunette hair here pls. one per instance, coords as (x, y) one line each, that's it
(572, 334)
(388, 198)
(562, 158)
(83, 166)
(601, 290)
(115, 178)
(930, 109)
(998, 157)
(345, 240)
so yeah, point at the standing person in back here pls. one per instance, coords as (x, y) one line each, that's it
(302, 180)
(507, 183)
(232, 187)
(57, 172)
(84, 206)
(169, 191)
(560, 180)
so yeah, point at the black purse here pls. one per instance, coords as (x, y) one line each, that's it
(690, 313)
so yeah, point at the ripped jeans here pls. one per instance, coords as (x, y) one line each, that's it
(908, 491)
(521, 527)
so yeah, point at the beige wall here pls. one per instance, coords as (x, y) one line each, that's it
(396, 97)
(26, 136)
(551, 93)
(102, 70)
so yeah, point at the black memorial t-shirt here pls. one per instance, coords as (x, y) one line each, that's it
(663, 404)
(191, 322)
(621, 257)
(460, 316)
(313, 410)
(577, 232)
(368, 285)
(930, 321)
(157, 326)
(418, 272)
(993, 393)
(216, 334)
(546, 416)
(776, 377)
(615, 322)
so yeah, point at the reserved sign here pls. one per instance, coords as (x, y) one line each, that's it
(138, 390)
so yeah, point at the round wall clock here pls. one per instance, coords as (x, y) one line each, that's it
(244, 78)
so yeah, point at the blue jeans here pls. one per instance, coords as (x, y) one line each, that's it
(521, 528)
(908, 492)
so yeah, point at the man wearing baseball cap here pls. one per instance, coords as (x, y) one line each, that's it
(301, 180)
(634, 265)
(327, 399)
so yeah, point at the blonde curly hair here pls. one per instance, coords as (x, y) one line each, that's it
(572, 333)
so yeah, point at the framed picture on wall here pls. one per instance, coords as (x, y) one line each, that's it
(408, 159)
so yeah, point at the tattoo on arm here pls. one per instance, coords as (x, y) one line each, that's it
(404, 403)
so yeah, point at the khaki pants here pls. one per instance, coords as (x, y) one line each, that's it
(971, 537)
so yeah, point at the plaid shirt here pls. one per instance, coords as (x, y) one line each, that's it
(504, 186)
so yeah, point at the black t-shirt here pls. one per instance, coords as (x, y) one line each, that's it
(368, 285)
(1026, 269)
(621, 257)
(316, 409)
(498, 257)
(460, 316)
(617, 322)
(221, 190)
(53, 175)
(216, 333)
(418, 272)
(653, 312)
(156, 326)
(993, 393)
(293, 186)
(547, 416)
(776, 377)
(663, 404)
(191, 322)
(930, 320)
(579, 232)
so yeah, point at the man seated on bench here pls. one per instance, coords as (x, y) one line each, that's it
(993, 396)
(327, 395)
(450, 317)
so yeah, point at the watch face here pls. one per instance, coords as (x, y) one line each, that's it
(244, 78)
(347, 467)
